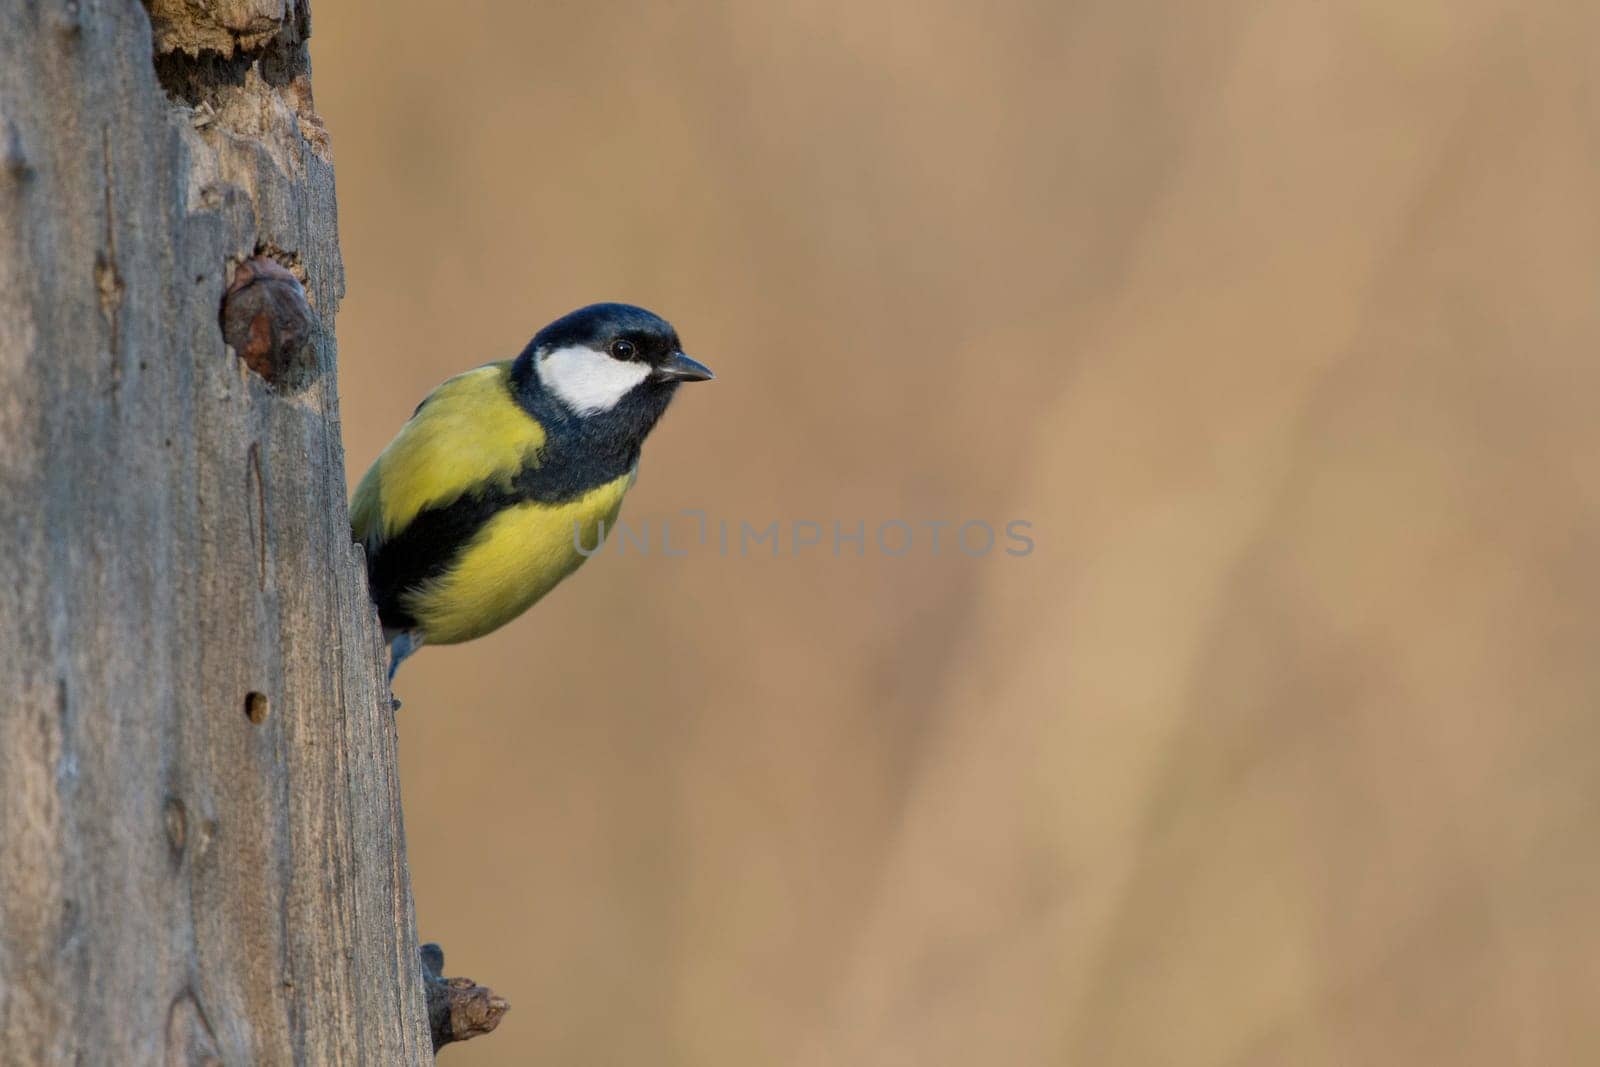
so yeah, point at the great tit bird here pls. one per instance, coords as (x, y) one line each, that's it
(479, 505)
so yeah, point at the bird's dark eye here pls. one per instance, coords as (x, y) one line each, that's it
(623, 349)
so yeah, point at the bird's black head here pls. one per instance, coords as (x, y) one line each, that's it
(622, 331)
(613, 367)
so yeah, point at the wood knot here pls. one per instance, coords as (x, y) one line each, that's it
(267, 320)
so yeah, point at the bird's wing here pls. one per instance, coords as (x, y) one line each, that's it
(469, 432)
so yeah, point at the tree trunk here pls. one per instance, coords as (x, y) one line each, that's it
(201, 854)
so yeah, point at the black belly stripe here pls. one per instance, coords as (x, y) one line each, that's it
(425, 548)
(431, 542)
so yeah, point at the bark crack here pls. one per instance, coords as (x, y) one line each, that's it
(108, 280)
(257, 495)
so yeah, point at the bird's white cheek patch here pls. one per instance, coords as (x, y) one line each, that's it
(588, 381)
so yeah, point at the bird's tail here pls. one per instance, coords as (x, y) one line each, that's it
(402, 643)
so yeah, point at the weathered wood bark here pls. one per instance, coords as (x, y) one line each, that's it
(201, 855)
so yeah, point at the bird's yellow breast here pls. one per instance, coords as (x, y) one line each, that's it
(468, 433)
(519, 556)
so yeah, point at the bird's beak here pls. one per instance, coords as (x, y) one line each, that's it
(680, 368)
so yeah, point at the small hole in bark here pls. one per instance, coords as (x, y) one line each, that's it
(177, 820)
(256, 708)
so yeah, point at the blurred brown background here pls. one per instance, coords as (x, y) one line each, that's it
(1278, 320)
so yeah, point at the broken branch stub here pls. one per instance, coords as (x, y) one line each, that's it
(458, 1008)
